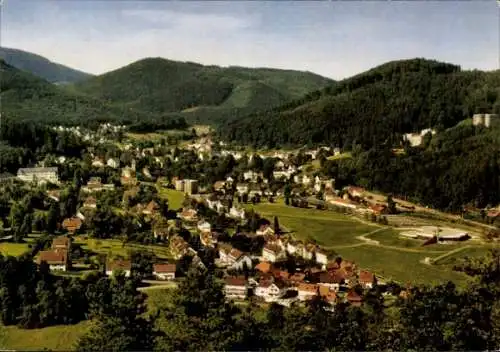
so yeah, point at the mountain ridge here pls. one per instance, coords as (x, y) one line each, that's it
(41, 66)
(166, 86)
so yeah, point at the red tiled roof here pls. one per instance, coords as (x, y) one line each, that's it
(235, 281)
(53, 257)
(302, 286)
(264, 267)
(72, 224)
(366, 277)
(164, 268)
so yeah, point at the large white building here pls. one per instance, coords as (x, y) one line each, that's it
(40, 174)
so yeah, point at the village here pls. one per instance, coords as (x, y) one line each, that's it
(210, 217)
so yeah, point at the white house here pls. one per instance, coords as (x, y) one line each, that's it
(271, 253)
(292, 248)
(164, 271)
(305, 291)
(270, 291)
(239, 260)
(235, 287)
(237, 213)
(242, 188)
(321, 257)
(113, 162)
(204, 226)
(40, 174)
(264, 230)
(251, 176)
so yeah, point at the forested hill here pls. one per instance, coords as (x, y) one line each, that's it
(29, 98)
(41, 66)
(197, 92)
(374, 107)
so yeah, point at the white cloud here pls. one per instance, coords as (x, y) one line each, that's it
(191, 21)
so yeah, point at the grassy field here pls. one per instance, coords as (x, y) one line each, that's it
(13, 249)
(114, 248)
(400, 265)
(56, 338)
(326, 228)
(471, 252)
(175, 198)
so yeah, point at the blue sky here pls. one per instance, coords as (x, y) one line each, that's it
(335, 39)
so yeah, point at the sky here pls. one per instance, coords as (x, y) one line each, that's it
(336, 39)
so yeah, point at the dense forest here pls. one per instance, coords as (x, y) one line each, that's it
(374, 107)
(197, 92)
(460, 166)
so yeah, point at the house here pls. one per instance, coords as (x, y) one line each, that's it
(72, 224)
(237, 213)
(119, 265)
(179, 247)
(242, 188)
(113, 162)
(321, 256)
(263, 267)
(179, 185)
(90, 202)
(308, 251)
(251, 176)
(98, 162)
(239, 260)
(189, 215)
(164, 271)
(191, 186)
(264, 230)
(356, 191)
(128, 172)
(366, 279)
(235, 287)
(40, 174)
(271, 253)
(146, 172)
(219, 185)
(306, 291)
(208, 239)
(54, 195)
(329, 295)
(296, 278)
(353, 298)
(61, 243)
(152, 208)
(93, 185)
(270, 290)
(332, 280)
(292, 247)
(204, 226)
(57, 259)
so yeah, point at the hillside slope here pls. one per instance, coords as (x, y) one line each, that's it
(374, 107)
(26, 97)
(41, 66)
(200, 92)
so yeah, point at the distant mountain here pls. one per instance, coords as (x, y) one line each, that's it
(197, 92)
(26, 97)
(375, 107)
(41, 67)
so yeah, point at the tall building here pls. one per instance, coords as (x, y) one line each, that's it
(191, 186)
(41, 174)
(179, 185)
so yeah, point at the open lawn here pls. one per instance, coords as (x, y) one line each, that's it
(13, 249)
(340, 156)
(325, 227)
(175, 198)
(400, 265)
(467, 251)
(56, 338)
(114, 248)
